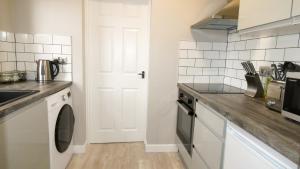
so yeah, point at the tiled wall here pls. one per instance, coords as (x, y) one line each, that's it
(262, 51)
(20, 51)
(202, 62)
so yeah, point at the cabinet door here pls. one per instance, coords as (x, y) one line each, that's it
(243, 151)
(208, 145)
(197, 162)
(259, 12)
(296, 7)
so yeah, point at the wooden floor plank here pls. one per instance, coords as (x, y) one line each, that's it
(123, 156)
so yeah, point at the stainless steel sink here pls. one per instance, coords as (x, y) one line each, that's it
(7, 96)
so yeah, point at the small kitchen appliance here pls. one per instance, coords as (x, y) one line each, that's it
(291, 100)
(47, 70)
(274, 95)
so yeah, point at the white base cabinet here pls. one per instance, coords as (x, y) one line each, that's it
(243, 151)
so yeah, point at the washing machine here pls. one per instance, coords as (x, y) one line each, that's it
(61, 127)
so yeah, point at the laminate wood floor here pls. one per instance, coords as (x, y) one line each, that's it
(124, 156)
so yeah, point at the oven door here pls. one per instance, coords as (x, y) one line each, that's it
(185, 122)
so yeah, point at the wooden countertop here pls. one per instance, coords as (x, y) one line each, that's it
(250, 114)
(45, 89)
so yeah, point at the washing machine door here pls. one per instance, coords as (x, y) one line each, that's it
(64, 128)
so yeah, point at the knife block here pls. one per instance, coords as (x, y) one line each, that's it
(254, 86)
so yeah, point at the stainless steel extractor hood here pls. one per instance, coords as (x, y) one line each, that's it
(225, 19)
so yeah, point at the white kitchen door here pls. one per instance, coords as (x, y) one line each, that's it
(118, 40)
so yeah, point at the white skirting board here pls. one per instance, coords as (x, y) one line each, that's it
(79, 149)
(160, 148)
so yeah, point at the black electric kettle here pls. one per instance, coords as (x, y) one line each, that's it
(47, 70)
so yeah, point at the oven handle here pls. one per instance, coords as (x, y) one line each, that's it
(185, 109)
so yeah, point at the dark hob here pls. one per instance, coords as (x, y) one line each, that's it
(214, 88)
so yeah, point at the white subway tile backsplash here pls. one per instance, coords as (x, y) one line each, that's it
(195, 54)
(186, 62)
(34, 48)
(24, 38)
(3, 36)
(292, 54)
(10, 37)
(53, 49)
(67, 50)
(30, 66)
(223, 55)
(185, 79)
(231, 46)
(8, 66)
(240, 45)
(62, 40)
(183, 53)
(275, 55)
(219, 46)
(202, 63)
(30, 47)
(3, 56)
(187, 45)
(194, 71)
(7, 46)
(233, 55)
(210, 71)
(287, 41)
(43, 38)
(182, 70)
(201, 79)
(244, 55)
(43, 57)
(11, 57)
(258, 54)
(221, 71)
(20, 47)
(204, 45)
(236, 83)
(25, 57)
(21, 66)
(216, 79)
(211, 54)
(218, 63)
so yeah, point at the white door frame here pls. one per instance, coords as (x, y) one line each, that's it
(88, 78)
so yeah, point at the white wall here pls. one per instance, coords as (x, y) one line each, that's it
(170, 23)
(5, 15)
(60, 17)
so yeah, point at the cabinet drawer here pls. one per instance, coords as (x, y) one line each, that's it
(197, 162)
(209, 146)
(213, 121)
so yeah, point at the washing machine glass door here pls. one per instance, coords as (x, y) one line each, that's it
(64, 128)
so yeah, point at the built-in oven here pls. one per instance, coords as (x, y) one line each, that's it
(185, 120)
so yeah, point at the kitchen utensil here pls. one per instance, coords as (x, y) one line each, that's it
(12, 76)
(274, 95)
(254, 85)
(277, 74)
(47, 70)
(245, 67)
(251, 66)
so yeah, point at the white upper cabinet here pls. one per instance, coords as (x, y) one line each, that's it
(296, 8)
(259, 12)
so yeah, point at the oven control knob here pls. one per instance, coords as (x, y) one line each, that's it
(190, 101)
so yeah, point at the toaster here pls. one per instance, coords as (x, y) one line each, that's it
(274, 95)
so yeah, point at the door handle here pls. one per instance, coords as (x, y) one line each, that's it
(142, 74)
